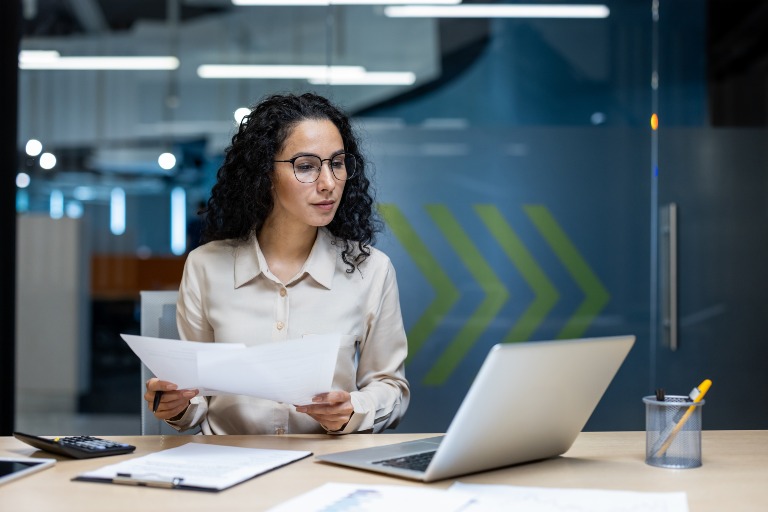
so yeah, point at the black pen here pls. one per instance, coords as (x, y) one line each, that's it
(156, 401)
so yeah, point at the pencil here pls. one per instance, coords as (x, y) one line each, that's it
(702, 390)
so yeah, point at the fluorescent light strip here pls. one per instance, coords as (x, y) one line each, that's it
(498, 11)
(56, 204)
(277, 72)
(371, 78)
(38, 55)
(309, 3)
(117, 211)
(178, 221)
(38, 61)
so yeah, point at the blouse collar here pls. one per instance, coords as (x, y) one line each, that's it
(320, 265)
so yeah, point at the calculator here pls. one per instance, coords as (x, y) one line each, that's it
(77, 447)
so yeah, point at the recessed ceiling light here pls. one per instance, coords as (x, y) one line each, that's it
(52, 60)
(310, 3)
(498, 11)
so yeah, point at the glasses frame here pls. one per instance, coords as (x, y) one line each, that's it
(329, 160)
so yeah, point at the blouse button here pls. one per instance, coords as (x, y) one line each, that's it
(283, 293)
(280, 326)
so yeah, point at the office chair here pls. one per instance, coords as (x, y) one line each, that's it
(158, 320)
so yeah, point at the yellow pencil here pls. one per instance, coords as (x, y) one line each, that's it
(702, 390)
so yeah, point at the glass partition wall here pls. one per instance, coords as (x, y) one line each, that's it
(524, 169)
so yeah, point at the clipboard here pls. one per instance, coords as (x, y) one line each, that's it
(194, 467)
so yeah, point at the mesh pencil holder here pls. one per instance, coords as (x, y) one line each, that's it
(673, 432)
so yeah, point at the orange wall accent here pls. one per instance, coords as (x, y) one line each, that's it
(124, 276)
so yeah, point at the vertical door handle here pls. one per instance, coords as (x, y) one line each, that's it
(669, 275)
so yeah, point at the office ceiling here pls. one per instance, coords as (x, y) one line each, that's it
(112, 122)
(138, 113)
(68, 17)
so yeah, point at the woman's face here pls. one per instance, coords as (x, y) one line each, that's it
(307, 204)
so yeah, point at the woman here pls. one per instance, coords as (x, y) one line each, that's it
(288, 233)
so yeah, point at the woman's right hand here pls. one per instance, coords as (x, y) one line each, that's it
(173, 402)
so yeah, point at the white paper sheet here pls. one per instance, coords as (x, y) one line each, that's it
(291, 371)
(197, 465)
(540, 499)
(176, 360)
(338, 497)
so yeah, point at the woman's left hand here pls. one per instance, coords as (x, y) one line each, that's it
(332, 410)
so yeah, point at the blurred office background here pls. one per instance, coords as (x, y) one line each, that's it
(542, 174)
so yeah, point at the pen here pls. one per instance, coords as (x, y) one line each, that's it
(156, 401)
(149, 480)
(697, 394)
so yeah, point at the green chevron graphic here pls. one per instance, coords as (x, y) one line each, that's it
(446, 293)
(496, 295)
(595, 294)
(546, 295)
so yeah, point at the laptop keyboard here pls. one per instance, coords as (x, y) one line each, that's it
(415, 462)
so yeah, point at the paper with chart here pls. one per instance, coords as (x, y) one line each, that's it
(195, 466)
(479, 498)
(339, 497)
(488, 498)
(291, 371)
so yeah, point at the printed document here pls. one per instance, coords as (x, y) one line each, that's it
(490, 498)
(291, 371)
(339, 497)
(195, 466)
(478, 498)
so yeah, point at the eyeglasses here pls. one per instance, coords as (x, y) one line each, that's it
(307, 168)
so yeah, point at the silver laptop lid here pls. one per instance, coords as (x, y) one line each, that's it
(529, 401)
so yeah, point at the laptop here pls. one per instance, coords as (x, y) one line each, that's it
(528, 402)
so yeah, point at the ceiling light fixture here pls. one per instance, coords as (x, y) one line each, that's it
(498, 11)
(331, 75)
(370, 78)
(52, 60)
(309, 3)
(277, 72)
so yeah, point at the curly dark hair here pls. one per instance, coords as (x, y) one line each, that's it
(241, 200)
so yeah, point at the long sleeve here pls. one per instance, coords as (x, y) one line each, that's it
(383, 392)
(192, 325)
(228, 294)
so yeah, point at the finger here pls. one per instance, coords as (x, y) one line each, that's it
(317, 410)
(172, 404)
(170, 397)
(331, 397)
(332, 422)
(151, 383)
(155, 384)
(165, 387)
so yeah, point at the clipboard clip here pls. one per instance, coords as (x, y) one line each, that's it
(148, 480)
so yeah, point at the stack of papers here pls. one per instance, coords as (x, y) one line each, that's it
(291, 371)
(479, 498)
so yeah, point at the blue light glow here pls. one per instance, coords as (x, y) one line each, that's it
(117, 211)
(57, 204)
(178, 221)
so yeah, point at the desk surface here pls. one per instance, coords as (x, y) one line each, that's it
(734, 475)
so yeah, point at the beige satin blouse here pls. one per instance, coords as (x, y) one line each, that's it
(228, 294)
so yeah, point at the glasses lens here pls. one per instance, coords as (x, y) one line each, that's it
(344, 166)
(307, 168)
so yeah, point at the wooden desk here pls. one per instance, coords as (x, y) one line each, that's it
(734, 475)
